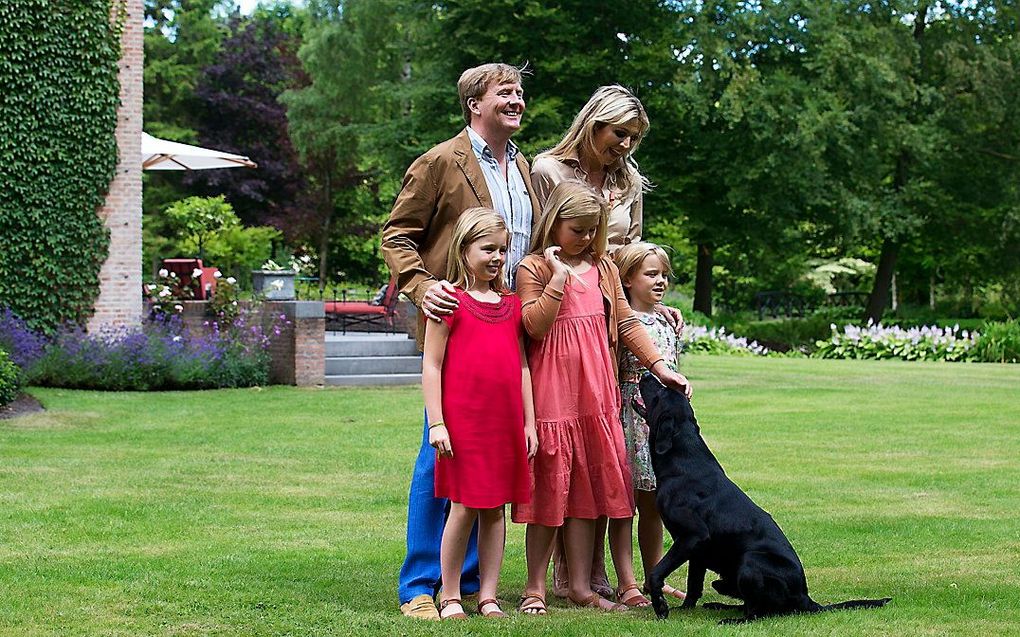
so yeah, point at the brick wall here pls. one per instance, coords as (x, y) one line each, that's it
(120, 293)
(298, 352)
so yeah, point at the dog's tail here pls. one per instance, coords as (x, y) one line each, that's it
(858, 603)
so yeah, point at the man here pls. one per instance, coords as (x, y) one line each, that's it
(478, 167)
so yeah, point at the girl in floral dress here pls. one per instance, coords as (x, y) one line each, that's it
(644, 271)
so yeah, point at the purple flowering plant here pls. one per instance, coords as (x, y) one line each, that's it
(162, 354)
(24, 344)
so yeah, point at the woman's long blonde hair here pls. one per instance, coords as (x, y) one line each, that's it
(630, 257)
(572, 199)
(608, 106)
(472, 225)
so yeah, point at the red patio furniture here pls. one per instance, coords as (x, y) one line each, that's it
(380, 311)
(204, 287)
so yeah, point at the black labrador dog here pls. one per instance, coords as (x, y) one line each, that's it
(715, 526)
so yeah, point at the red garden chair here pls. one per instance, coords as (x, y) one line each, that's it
(379, 312)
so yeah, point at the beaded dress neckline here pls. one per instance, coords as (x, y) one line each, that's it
(489, 312)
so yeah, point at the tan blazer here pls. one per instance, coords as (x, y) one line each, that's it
(438, 187)
(540, 305)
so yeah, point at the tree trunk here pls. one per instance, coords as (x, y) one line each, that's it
(894, 294)
(703, 279)
(883, 282)
(327, 228)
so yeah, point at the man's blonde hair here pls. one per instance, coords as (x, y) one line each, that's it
(630, 257)
(475, 81)
(572, 199)
(608, 106)
(472, 225)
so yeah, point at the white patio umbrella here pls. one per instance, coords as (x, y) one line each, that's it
(160, 154)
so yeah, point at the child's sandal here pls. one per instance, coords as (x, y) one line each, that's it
(595, 601)
(447, 602)
(492, 613)
(532, 604)
(637, 600)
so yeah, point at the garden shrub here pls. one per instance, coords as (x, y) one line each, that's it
(24, 344)
(999, 342)
(787, 333)
(58, 117)
(929, 343)
(10, 379)
(705, 340)
(163, 354)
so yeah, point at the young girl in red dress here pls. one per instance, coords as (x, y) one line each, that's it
(576, 314)
(478, 398)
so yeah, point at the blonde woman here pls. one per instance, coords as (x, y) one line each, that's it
(598, 148)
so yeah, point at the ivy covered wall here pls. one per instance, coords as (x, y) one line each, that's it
(58, 115)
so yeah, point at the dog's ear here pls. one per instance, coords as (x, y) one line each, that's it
(663, 441)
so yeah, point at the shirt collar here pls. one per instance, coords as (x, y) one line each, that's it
(481, 147)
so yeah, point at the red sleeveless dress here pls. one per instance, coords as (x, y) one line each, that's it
(482, 406)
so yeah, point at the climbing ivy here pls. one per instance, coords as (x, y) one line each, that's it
(58, 116)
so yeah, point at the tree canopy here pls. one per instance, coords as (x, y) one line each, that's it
(783, 133)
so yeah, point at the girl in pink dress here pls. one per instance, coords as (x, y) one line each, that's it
(575, 312)
(478, 399)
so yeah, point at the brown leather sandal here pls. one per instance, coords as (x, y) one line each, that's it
(446, 602)
(493, 613)
(595, 601)
(532, 604)
(634, 601)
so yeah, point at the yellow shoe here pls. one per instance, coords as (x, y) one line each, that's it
(420, 607)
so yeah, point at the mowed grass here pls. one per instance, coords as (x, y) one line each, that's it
(281, 511)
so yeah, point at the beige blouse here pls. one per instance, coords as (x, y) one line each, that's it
(625, 214)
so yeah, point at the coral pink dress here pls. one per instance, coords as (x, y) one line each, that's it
(482, 406)
(580, 470)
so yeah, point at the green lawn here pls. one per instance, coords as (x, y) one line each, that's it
(281, 511)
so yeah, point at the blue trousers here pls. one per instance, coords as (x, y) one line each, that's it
(426, 516)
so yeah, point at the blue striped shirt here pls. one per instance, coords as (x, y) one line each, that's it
(509, 197)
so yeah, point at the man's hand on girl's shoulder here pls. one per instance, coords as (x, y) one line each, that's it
(439, 301)
(673, 316)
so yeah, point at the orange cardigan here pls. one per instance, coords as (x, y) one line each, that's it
(540, 304)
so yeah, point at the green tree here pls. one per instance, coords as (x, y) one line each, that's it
(345, 124)
(198, 218)
(182, 37)
(747, 170)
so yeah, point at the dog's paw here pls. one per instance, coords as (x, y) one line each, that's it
(660, 606)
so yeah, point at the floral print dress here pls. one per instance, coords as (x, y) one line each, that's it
(635, 429)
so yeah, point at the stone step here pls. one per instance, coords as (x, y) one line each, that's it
(356, 365)
(369, 346)
(373, 379)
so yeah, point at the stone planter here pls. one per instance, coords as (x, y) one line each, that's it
(274, 285)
